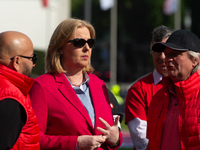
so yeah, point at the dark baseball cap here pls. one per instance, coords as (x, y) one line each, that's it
(181, 40)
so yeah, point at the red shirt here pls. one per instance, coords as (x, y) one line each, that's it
(170, 135)
(139, 97)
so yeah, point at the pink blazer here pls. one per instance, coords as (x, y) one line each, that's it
(61, 115)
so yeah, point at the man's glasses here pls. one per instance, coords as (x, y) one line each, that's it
(156, 54)
(81, 42)
(33, 59)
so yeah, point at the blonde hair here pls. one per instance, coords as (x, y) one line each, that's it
(59, 38)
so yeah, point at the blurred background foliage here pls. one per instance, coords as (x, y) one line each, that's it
(39, 68)
(136, 20)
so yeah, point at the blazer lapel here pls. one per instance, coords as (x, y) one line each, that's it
(97, 96)
(70, 95)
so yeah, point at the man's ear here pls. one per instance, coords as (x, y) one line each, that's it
(195, 61)
(198, 59)
(16, 62)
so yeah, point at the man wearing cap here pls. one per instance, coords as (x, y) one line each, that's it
(173, 120)
(141, 92)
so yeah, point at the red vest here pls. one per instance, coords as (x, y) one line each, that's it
(16, 86)
(188, 93)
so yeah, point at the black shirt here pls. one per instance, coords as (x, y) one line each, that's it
(115, 108)
(12, 120)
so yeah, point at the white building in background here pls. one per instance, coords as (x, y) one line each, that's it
(33, 19)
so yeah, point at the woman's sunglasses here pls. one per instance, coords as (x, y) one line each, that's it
(79, 42)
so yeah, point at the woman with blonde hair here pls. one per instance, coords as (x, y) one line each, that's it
(71, 103)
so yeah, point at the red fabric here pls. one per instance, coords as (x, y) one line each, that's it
(16, 86)
(171, 140)
(139, 97)
(188, 93)
(61, 115)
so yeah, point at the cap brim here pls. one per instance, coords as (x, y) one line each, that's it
(160, 47)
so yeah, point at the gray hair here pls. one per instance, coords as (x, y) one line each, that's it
(194, 55)
(160, 33)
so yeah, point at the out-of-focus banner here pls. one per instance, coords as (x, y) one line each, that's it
(45, 3)
(106, 4)
(170, 6)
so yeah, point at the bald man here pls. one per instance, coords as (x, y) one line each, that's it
(18, 124)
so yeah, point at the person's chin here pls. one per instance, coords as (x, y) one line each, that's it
(28, 74)
(84, 63)
(173, 76)
(172, 73)
(163, 69)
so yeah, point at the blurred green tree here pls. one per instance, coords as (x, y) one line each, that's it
(136, 20)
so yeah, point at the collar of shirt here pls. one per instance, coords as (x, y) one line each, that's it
(84, 85)
(171, 89)
(157, 77)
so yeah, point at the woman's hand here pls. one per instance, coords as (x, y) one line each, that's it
(111, 134)
(88, 142)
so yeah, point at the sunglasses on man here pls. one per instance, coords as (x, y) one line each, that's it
(33, 59)
(79, 42)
